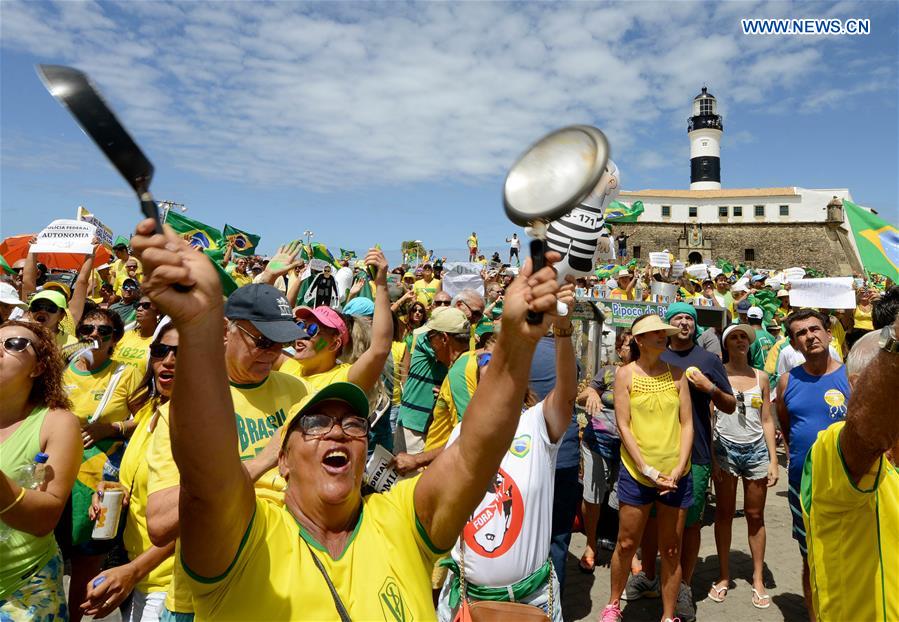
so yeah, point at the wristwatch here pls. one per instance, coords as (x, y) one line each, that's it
(563, 332)
(888, 341)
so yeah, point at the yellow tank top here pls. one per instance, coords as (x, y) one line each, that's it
(655, 424)
(863, 319)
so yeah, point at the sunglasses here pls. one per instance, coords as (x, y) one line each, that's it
(129, 287)
(46, 306)
(441, 303)
(86, 330)
(310, 328)
(16, 344)
(144, 305)
(261, 342)
(161, 350)
(316, 426)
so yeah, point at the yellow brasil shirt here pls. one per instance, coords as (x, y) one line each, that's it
(425, 292)
(317, 382)
(134, 475)
(163, 474)
(86, 390)
(851, 530)
(384, 573)
(133, 350)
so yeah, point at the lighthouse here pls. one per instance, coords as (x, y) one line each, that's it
(704, 129)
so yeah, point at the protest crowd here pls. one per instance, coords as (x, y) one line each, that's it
(193, 430)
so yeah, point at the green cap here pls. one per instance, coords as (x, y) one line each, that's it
(53, 296)
(120, 241)
(342, 391)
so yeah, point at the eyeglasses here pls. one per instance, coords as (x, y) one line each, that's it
(441, 303)
(144, 305)
(44, 305)
(161, 350)
(318, 425)
(311, 328)
(476, 314)
(417, 310)
(86, 330)
(129, 287)
(15, 345)
(261, 342)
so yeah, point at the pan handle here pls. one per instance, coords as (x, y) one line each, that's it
(538, 260)
(151, 210)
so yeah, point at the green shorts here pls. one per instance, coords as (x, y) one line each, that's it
(701, 473)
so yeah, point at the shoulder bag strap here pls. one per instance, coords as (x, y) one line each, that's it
(338, 604)
(107, 394)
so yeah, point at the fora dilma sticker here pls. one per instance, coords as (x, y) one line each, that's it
(521, 445)
(836, 401)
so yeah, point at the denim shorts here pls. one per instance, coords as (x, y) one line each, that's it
(746, 460)
(632, 492)
(600, 477)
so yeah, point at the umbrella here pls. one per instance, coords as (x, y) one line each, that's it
(15, 248)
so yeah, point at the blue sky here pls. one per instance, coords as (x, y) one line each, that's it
(382, 122)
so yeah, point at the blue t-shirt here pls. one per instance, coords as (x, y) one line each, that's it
(713, 369)
(542, 380)
(813, 403)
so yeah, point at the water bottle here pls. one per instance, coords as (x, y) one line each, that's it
(31, 477)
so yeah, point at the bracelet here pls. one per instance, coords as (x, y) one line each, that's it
(118, 425)
(651, 472)
(15, 502)
(561, 332)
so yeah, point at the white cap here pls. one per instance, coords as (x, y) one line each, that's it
(739, 287)
(9, 295)
(755, 313)
(745, 328)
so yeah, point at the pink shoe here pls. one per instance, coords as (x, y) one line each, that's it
(611, 613)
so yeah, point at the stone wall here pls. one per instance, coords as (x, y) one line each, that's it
(776, 245)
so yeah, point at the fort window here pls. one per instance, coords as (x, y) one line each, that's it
(636, 252)
(749, 254)
(759, 210)
(666, 211)
(692, 210)
(784, 210)
(738, 211)
(722, 211)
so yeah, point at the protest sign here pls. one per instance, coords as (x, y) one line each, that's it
(318, 265)
(65, 236)
(698, 271)
(622, 313)
(677, 269)
(378, 472)
(659, 260)
(829, 293)
(104, 233)
(793, 274)
(462, 275)
(663, 292)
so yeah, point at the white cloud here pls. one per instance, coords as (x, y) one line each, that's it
(341, 94)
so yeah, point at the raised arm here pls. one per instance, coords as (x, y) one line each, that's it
(368, 367)
(559, 404)
(216, 500)
(79, 291)
(29, 275)
(453, 485)
(872, 426)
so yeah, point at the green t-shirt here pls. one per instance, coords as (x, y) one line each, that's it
(759, 349)
(425, 373)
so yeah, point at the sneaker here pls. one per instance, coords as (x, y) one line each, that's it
(685, 609)
(638, 586)
(611, 613)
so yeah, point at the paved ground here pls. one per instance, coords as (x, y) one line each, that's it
(586, 595)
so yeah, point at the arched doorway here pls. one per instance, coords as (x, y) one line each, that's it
(694, 258)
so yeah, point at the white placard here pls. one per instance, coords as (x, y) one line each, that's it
(65, 236)
(378, 472)
(660, 260)
(793, 274)
(663, 292)
(459, 275)
(698, 271)
(829, 293)
(317, 264)
(104, 233)
(677, 269)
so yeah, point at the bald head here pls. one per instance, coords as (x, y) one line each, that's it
(862, 354)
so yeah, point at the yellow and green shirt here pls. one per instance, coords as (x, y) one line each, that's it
(86, 390)
(452, 400)
(133, 350)
(851, 530)
(425, 292)
(383, 574)
(134, 476)
(317, 382)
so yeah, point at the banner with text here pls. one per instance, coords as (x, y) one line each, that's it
(65, 236)
(104, 233)
(829, 293)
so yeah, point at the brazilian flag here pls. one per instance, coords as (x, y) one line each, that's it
(197, 234)
(216, 256)
(317, 251)
(620, 212)
(345, 254)
(876, 240)
(244, 243)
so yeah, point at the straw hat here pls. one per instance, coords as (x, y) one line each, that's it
(746, 328)
(653, 323)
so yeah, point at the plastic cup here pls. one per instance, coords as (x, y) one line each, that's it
(107, 524)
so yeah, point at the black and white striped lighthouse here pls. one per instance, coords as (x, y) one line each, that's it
(704, 129)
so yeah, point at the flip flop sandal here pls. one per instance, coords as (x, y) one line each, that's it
(760, 601)
(718, 594)
(586, 568)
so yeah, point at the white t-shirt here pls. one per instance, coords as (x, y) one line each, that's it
(745, 424)
(508, 536)
(515, 243)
